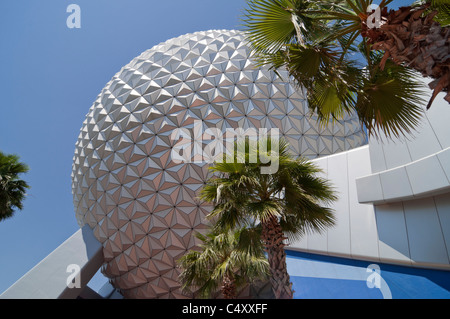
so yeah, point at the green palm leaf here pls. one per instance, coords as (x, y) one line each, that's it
(389, 100)
(223, 255)
(270, 24)
(337, 83)
(12, 188)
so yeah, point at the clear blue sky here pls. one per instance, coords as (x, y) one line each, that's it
(50, 76)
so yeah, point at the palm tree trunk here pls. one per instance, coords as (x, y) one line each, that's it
(272, 236)
(228, 288)
(409, 38)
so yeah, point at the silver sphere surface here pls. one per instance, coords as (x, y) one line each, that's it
(141, 204)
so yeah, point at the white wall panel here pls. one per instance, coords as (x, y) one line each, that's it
(425, 236)
(395, 153)
(392, 234)
(363, 228)
(424, 142)
(443, 208)
(377, 161)
(395, 183)
(438, 116)
(426, 175)
(444, 159)
(369, 188)
(339, 236)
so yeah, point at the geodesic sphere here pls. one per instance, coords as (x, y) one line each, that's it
(141, 204)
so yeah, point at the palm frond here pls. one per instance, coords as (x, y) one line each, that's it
(390, 100)
(222, 255)
(12, 188)
(270, 24)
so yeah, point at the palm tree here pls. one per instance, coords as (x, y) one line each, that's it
(12, 189)
(228, 260)
(415, 36)
(286, 203)
(327, 48)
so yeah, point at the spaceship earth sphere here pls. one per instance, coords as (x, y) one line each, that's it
(141, 203)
